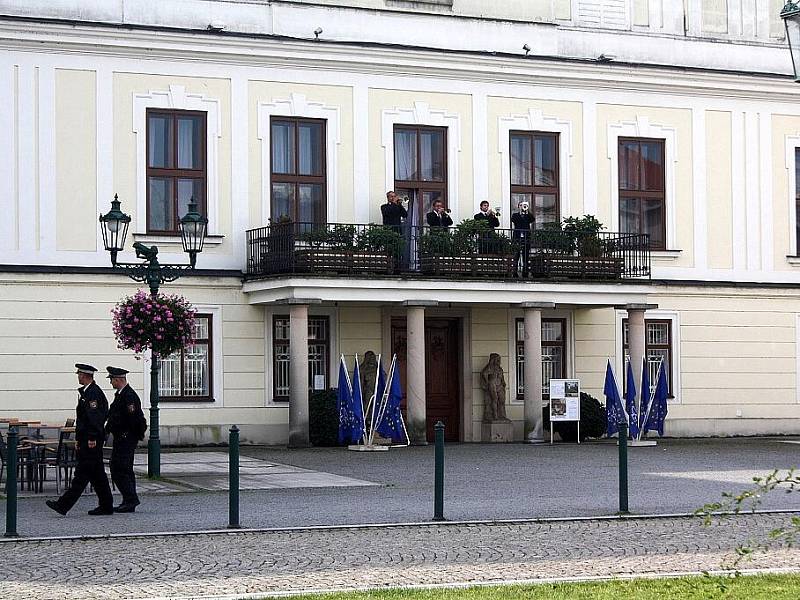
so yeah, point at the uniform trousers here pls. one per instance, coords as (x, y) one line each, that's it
(122, 468)
(89, 470)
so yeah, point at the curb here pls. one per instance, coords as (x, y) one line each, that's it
(490, 522)
(481, 584)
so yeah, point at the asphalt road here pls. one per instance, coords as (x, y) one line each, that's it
(482, 482)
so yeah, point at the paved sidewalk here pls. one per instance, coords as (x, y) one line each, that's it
(339, 559)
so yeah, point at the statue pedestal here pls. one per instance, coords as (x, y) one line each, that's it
(497, 431)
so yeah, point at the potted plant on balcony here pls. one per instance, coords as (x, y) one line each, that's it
(277, 249)
(473, 248)
(326, 248)
(584, 230)
(380, 248)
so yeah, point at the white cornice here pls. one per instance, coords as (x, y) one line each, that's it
(296, 54)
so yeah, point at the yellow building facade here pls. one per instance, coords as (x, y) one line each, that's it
(719, 299)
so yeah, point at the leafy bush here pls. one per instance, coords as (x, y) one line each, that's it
(584, 230)
(436, 242)
(338, 236)
(382, 239)
(323, 418)
(477, 237)
(593, 421)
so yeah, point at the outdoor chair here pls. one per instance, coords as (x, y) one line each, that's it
(60, 458)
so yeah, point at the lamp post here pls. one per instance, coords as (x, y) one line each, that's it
(114, 226)
(791, 19)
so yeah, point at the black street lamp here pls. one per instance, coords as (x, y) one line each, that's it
(193, 227)
(791, 19)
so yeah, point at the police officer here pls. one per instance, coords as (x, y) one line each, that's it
(92, 411)
(127, 424)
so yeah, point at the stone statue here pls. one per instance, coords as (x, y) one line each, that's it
(369, 373)
(493, 382)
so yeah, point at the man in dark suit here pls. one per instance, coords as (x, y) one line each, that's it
(438, 216)
(91, 413)
(127, 424)
(393, 212)
(486, 214)
(522, 221)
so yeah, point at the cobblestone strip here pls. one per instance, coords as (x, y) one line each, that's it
(249, 562)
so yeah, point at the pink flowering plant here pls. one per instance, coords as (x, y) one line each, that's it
(163, 324)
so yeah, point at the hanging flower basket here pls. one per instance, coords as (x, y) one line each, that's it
(163, 324)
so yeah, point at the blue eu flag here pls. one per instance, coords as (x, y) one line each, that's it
(615, 413)
(630, 403)
(391, 423)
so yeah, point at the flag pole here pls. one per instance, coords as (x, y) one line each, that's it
(652, 397)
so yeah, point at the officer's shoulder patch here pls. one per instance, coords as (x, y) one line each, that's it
(92, 403)
(131, 408)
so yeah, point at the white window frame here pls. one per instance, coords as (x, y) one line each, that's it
(216, 365)
(333, 344)
(643, 128)
(297, 105)
(569, 358)
(422, 114)
(675, 331)
(176, 98)
(535, 121)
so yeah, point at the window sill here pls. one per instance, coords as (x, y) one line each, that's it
(187, 400)
(169, 240)
(665, 254)
(793, 260)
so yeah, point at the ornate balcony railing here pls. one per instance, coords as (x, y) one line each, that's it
(408, 251)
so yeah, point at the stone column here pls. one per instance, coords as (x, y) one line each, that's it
(298, 373)
(533, 427)
(416, 409)
(636, 341)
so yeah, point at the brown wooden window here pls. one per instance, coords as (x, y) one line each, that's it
(657, 348)
(554, 353)
(534, 175)
(187, 375)
(420, 167)
(797, 199)
(318, 355)
(642, 197)
(299, 188)
(176, 167)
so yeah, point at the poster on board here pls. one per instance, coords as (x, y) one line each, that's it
(565, 400)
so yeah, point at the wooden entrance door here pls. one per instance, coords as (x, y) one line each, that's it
(442, 390)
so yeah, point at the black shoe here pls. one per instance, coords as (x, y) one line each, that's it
(125, 508)
(101, 511)
(56, 507)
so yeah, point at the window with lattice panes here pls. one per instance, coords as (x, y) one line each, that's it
(186, 375)
(715, 16)
(318, 354)
(613, 14)
(554, 352)
(657, 349)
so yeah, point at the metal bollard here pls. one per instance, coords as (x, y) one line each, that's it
(233, 478)
(11, 484)
(623, 468)
(438, 476)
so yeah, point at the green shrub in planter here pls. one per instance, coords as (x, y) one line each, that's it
(323, 418)
(593, 421)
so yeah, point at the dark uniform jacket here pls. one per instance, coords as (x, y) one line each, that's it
(125, 418)
(522, 224)
(491, 219)
(91, 415)
(393, 213)
(435, 220)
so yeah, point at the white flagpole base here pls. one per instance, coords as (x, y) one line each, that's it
(361, 448)
(640, 443)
